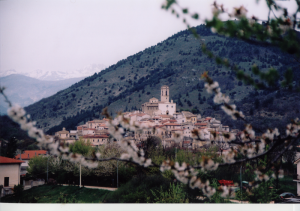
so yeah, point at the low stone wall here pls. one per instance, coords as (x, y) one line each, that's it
(37, 183)
(33, 183)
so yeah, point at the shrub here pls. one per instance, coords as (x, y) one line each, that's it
(264, 193)
(18, 189)
(52, 181)
(138, 189)
(175, 194)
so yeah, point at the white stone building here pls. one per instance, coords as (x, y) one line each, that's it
(164, 106)
(297, 176)
(9, 173)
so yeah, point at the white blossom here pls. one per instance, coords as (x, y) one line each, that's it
(229, 137)
(180, 168)
(239, 12)
(125, 156)
(270, 134)
(231, 111)
(221, 98)
(147, 163)
(209, 165)
(98, 154)
(225, 190)
(211, 87)
(213, 30)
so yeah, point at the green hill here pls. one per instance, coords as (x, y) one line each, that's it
(177, 62)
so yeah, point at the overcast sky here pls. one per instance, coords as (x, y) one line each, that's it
(65, 35)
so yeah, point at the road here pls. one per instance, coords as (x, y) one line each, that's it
(96, 187)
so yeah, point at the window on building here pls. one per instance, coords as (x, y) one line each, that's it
(6, 181)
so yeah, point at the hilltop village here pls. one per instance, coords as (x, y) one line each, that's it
(160, 118)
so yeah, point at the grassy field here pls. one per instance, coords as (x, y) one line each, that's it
(58, 194)
(286, 184)
(134, 191)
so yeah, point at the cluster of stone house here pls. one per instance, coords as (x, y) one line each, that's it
(168, 127)
(94, 131)
(161, 119)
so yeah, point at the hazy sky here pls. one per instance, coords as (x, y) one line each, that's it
(64, 35)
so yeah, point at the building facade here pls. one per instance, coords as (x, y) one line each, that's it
(9, 173)
(164, 106)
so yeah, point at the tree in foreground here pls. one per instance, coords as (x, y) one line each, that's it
(80, 148)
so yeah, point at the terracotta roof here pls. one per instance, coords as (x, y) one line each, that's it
(96, 136)
(63, 132)
(141, 114)
(188, 114)
(165, 116)
(173, 120)
(28, 154)
(67, 139)
(198, 124)
(98, 120)
(172, 124)
(81, 126)
(9, 160)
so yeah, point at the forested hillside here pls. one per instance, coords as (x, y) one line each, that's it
(177, 62)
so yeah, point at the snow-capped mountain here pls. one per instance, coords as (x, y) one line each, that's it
(8, 72)
(24, 90)
(58, 75)
(49, 75)
(90, 69)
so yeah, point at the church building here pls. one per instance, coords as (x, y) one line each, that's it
(164, 106)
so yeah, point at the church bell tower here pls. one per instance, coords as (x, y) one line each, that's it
(164, 94)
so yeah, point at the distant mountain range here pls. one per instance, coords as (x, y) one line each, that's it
(58, 75)
(24, 90)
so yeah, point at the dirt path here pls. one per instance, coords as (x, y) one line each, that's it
(96, 187)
